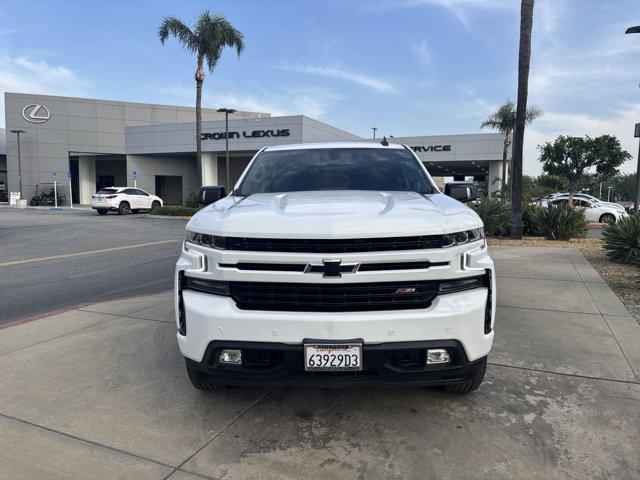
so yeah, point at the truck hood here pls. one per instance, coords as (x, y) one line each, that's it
(334, 214)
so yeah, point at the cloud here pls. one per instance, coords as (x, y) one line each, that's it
(582, 80)
(423, 51)
(22, 74)
(313, 102)
(342, 74)
(462, 10)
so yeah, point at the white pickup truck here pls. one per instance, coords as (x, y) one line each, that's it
(336, 264)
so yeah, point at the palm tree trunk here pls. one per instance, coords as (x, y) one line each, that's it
(505, 154)
(199, 80)
(524, 59)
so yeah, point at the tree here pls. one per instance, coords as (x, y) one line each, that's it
(504, 121)
(524, 60)
(573, 157)
(208, 37)
(623, 187)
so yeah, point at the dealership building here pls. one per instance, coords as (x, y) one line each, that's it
(99, 143)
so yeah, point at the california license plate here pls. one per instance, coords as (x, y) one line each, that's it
(333, 357)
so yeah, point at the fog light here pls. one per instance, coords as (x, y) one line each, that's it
(437, 355)
(231, 357)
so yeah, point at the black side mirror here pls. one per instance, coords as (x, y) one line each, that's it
(209, 195)
(465, 192)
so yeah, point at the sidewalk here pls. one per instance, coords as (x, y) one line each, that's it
(101, 392)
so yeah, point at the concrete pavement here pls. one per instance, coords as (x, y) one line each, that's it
(101, 392)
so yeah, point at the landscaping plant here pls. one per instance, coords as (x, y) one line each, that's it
(528, 219)
(495, 214)
(621, 240)
(175, 211)
(560, 222)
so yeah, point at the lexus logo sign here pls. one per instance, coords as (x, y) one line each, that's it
(36, 113)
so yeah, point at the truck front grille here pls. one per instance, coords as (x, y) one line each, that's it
(311, 297)
(334, 246)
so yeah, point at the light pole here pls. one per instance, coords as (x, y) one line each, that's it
(226, 112)
(374, 131)
(18, 132)
(636, 29)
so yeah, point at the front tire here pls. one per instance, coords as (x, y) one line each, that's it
(469, 385)
(608, 218)
(102, 211)
(155, 204)
(124, 208)
(199, 380)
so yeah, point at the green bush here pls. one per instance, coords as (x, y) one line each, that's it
(560, 222)
(495, 214)
(175, 211)
(192, 201)
(621, 240)
(528, 220)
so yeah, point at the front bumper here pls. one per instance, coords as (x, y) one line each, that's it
(456, 316)
(386, 364)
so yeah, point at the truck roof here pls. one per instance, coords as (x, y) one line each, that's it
(307, 146)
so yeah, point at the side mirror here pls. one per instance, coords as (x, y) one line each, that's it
(462, 192)
(209, 195)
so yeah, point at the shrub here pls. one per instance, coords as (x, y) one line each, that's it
(495, 214)
(528, 220)
(621, 240)
(175, 211)
(192, 201)
(560, 222)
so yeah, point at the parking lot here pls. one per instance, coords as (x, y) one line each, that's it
(100, 391)
(53, 260)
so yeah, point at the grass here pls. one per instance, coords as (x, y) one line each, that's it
(624, 280)
(175, 211)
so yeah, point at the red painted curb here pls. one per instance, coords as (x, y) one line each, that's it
(64, 310)
(43, 315)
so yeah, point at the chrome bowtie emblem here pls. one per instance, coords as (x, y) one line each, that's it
(332, 268)
(36, 113)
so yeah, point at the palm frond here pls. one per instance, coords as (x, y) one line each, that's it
(179, 29)
(504, 118)
(215, 33)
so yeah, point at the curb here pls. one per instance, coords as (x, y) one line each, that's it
(170, 217)
(596, 225)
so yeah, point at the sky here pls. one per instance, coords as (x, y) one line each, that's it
(407, 67)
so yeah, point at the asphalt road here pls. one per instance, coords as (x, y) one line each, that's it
(95, 258)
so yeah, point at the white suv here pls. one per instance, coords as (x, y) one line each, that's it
(336, 264)
(123, 200)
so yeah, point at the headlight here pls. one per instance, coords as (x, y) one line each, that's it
(460, 238)
(206, 240)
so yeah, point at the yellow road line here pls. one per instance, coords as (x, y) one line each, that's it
(89, 252)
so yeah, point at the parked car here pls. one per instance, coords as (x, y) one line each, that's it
(594, 211)
(124, 200)
(597, 200)
(336, 264)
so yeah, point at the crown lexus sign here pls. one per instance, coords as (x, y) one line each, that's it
(36, 113)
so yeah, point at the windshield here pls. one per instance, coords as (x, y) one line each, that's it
(107, 191)
(335, 169)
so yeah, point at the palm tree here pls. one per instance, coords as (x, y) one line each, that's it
(208, 37)
(524, 60)
(504, 120)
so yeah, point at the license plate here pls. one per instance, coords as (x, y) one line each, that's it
(333, 357)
